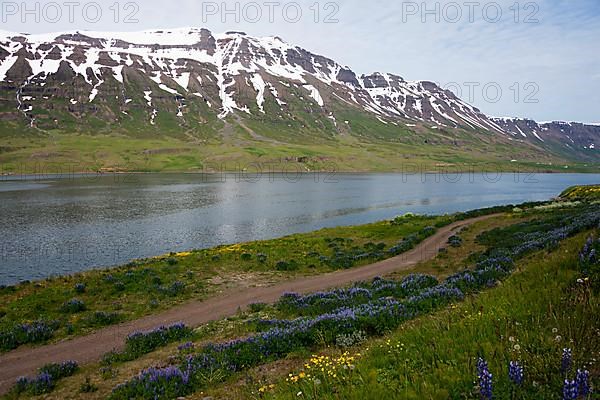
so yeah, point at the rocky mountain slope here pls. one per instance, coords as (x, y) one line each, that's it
(573, 139)
(195, 85)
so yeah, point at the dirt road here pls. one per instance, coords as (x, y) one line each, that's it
(90, 348)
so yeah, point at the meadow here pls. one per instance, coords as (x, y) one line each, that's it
(507, 310)
(59, 152)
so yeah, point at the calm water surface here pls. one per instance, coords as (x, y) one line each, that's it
(58, 225)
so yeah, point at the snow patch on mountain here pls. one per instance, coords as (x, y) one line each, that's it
(259, 85)
(314, 93)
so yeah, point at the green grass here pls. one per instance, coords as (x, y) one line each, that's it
(57, 150)
(582, 193)
(531, 317)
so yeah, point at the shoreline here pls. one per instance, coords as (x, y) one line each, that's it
(102, 268)
(9, 177)
(453, 217)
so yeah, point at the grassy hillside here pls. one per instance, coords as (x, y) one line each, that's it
(58, 152)
(529, 319)
(589, 193)
(303, 138)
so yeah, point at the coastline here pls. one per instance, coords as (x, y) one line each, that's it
(10, 177)
(105, 269)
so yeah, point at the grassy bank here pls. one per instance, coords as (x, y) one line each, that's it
(530, 319)
(89, 153)
(589, 193)
(547, 305)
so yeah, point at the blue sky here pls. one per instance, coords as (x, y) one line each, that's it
(546, 70)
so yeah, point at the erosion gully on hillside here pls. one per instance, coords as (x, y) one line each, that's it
(86, 349)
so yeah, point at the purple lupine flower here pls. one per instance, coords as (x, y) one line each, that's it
(44, 378)
(482, 365)
(484, 378)
(515, 372)
(41, 383)
(583, 382)
(570, 390)
(566, 360)
(464, 278)
(21, 384)
(438, 292)
(185, 346)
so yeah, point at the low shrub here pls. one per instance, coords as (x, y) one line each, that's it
(73, 306)
(60, 370)
(139, 343)
(173, 289)
(172, 261)
(102, 318)
(286, 265)
(455, 241)
(42, 383)
(350, 339)
(155, 383)
(323, 302)
(79, 287)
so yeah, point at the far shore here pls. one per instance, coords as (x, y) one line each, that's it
(251, 174)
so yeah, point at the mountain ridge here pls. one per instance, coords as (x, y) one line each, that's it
(191, 82)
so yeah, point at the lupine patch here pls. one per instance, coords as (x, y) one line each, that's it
(372, 314)
(45, 380)
(34, 332)
(140, 343)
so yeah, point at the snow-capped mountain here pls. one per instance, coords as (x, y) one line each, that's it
(191, 80)
(570, 137)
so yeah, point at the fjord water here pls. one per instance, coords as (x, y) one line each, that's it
(60, 225)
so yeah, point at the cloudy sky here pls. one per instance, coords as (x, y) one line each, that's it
(537, 59)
